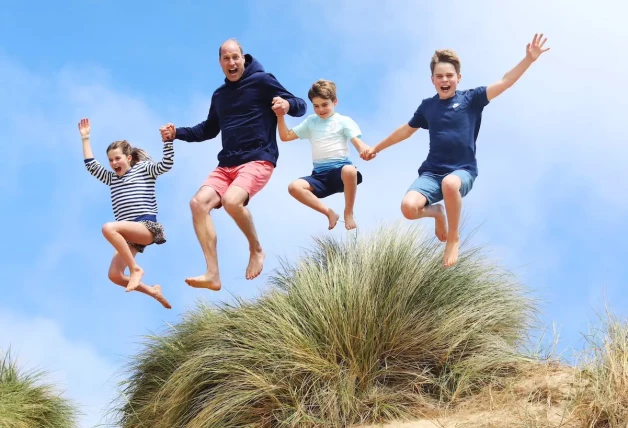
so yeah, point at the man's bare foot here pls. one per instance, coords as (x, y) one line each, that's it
(256, 264)
(207, 280)
(333, 218)
(441, 223)
(451, 252)
(134, 278)
(156, 290)
(350, 221)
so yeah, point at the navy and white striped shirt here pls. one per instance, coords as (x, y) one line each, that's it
(133, 194)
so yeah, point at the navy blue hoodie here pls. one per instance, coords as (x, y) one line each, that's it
(242, 112)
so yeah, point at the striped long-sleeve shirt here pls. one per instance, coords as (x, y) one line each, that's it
(133, 194)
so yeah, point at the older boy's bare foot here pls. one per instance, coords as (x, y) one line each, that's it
(134, 278)
(441, 222)
(350, 221)
(207, 280)
(156, 290)
(333, 218)
(451, 252)
(256, 264)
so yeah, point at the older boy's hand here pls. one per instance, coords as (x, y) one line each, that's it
(280, 106)
(535, 49)
(367, 154)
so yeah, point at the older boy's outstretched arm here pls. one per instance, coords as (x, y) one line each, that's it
(533, 51)
(404, 132)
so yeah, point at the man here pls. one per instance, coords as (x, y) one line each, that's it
(244, 110)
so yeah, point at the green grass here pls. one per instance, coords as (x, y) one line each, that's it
(364, 330)
(26, 401)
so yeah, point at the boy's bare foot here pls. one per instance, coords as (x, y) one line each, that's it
(441, 223)
(156, 290)
(207, 280)
(451, 252)
(134, 278)
(333, 218)
(350, 221)
(256, 264)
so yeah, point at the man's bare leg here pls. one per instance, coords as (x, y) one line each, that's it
(453, 205)
(301, 190)
(349, 175)
(233, 202)
(201, 204)
(413, 208)
(117, 276)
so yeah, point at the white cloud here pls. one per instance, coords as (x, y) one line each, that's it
(76, 368)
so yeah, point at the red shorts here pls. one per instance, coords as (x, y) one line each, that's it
(251, 176)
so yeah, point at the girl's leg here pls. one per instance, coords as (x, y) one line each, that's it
(349, 175)
(117, 233)
(117, 276)
(301, 190)
(453, 205)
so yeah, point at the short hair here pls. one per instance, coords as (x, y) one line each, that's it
(229, 40)
(322, 88)
(447, 56)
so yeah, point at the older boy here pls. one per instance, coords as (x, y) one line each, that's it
(333, 172)
(453, 118)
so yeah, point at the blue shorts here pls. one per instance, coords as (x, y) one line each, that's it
(328, 182)
(429, 185)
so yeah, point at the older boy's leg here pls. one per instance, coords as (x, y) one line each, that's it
(302, 191)
(454, 186)
(117, 276)
(349, 175)
(415, 204)
(251, 178)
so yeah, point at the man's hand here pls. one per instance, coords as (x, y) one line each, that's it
(168, 132)
(280, 106)
(535, 49)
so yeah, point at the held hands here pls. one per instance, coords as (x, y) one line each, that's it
(535, 49)
(84, 128)
(168, 132)
(367, 153)
(280, 106)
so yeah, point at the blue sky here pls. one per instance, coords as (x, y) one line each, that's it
(550, 198)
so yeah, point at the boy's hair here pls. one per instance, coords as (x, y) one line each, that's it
(229, 40)
(137, 155)
(325, 89)
(445, 55)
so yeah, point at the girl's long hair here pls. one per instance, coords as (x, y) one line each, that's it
(137, 154)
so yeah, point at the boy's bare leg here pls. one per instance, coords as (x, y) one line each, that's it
(413, 208)
(453, 205)
(201, 204)
(118, 233)
(349, 175)
(117, 276)
(301, 190)
(233, 202)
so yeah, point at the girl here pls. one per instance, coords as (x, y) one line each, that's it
(132, 187)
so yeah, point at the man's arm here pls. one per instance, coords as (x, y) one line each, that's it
(533, 51)
(291, 105)
(206, 130)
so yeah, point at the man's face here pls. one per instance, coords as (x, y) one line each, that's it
(232, 61)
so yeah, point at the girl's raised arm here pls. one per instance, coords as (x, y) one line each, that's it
(165, 164)
(92, 165)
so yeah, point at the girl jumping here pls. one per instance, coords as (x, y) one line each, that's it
(132, 185)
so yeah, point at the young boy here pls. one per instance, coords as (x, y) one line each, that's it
(453, 119)
(333, 172)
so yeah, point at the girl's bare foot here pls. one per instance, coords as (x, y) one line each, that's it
(134, 279)
(441, 222)
(333, 218)
(207, 280)
(256, 264)
(350, 221)
(156, 290)
(451, 252)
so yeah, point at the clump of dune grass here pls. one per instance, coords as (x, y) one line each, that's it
(27, 401)
(367, 329)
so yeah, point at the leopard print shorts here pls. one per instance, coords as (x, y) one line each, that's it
(159, 236)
